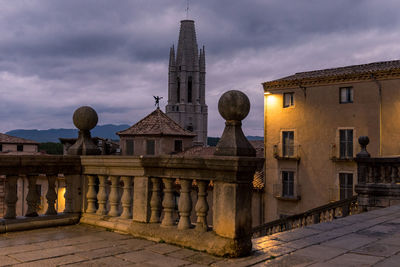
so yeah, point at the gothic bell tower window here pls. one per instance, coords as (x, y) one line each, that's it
(190, 89)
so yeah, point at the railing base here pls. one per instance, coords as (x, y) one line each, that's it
(43, 221)
(190, 238)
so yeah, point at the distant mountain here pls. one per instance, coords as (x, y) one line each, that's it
(251, 138)
(104, 131)
(52, 135)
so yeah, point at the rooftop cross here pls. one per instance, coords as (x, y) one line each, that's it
(187, 9)
(157, 99)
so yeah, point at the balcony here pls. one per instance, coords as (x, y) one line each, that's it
(334, 155)
(160, 198)
(144, 183)
(287, 152)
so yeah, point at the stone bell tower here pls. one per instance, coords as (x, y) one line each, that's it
(186, 84)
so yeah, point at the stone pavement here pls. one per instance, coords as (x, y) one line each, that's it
(366, 239)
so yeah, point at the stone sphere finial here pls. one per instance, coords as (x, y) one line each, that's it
(85, 118)
(234, 105)
(363, 141)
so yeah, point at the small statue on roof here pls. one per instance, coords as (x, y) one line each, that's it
(157, 99)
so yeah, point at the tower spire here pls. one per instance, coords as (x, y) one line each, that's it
(172, 56)
(186, 83)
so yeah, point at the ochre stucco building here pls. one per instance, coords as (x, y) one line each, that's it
(312, 121)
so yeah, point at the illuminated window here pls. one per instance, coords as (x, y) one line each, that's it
(346, 143)
(346, 95)
(288, 100)
(346, 185)
(287, 143)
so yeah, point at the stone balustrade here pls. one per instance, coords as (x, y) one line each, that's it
(162, 198)
(325, 213)
(138, 195)
(13, 168)
(378, 179)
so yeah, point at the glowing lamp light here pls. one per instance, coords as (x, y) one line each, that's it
(267, 93)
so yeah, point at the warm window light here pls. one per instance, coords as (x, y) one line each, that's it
(267, 93)
(272, 100)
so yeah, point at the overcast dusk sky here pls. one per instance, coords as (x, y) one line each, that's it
(57, 55)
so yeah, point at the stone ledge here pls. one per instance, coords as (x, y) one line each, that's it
(43, 221)
(191, 238)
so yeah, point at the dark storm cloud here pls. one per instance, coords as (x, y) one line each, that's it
(56, 55)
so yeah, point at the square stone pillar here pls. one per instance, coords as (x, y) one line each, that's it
(141, 199)
(74, 196)
(232, 214)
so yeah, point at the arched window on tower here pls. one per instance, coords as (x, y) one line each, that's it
(190, 89)
(178, 90)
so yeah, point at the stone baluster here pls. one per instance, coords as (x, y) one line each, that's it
(102, 195)
(394, 174)
(155, 201)
(68, 195)
(126, 198)
(11, 196)
(51, 195)
(91, 194)
(387, 171)
(168, 203)
(202, 206)
(185, 204)
(114, 196)
(377, 174)
(33, 197)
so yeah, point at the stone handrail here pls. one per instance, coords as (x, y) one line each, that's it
(325, 213)
(138, 195)
(13, 168)
(148, 209)
(378, 179)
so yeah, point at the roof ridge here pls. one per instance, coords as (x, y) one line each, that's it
(350, 66)
(17, 139)
(157, 122)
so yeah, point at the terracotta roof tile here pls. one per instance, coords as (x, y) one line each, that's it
(354, 69)
(156, 123)
(209, 151)
(8, 139)
(383, 69)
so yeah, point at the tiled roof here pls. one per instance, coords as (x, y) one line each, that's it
(209, 151)
(8, 139)
(156, 123)
(384, 69)
(258, 179)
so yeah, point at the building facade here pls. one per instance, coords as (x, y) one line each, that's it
(312, 121)
(186, 84)
(156, 134)
(12, 145)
